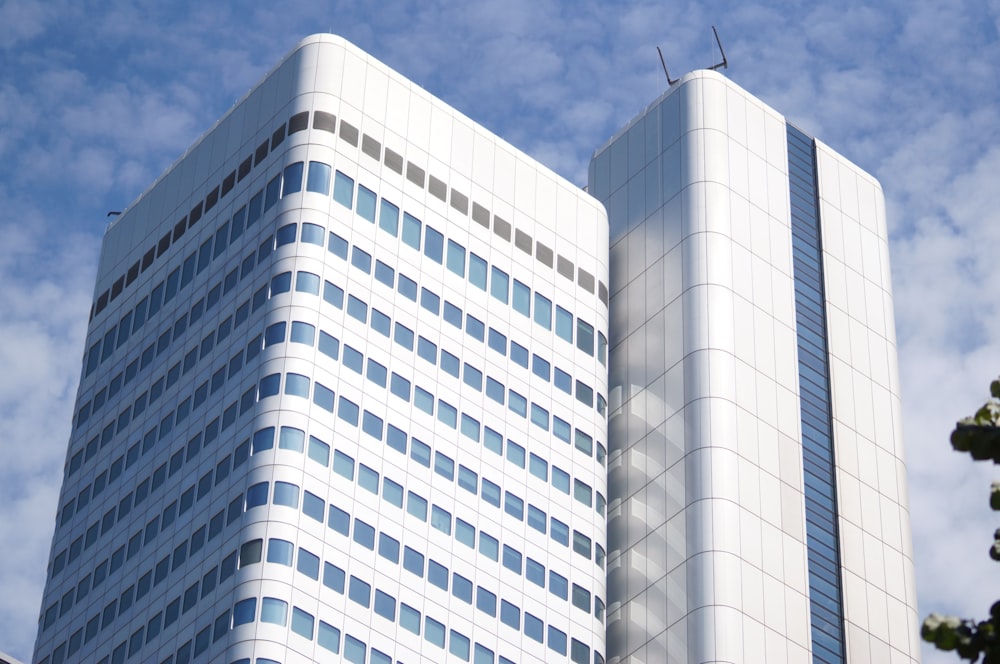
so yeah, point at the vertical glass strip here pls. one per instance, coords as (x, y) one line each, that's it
(823, 542)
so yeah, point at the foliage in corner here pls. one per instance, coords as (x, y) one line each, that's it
(978, 435)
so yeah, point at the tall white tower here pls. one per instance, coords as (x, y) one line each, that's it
(757, 497)
(344, 395)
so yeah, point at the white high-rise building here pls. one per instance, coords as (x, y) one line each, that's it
(757, 488)
(343, 395)
(346, 395)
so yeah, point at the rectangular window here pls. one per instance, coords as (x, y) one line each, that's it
(564, 324)
(522, 298)
(319, 178)
(343, 190)
(477, 271)
(366, 204)
(388, 218)
(433, 244)
(500, 285)
(456, 258)
(543, 311)
(411, 230)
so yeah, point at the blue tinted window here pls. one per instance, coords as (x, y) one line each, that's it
(533, 627)
(364, 534)
(413, 561)
(409, 618)
(279, 551)
(444, 466)
(323, 397)
(441, 519)
(359, 591)
(399, 386)
(513, 506)
(357, 309)
(559, 531)
(328, 637)
(307, 282)
(461, 588)
(456, 258)
(273, 610)
(286, 234)
(368, 478)
(433, 632)
(333, 294)
(343, 190)
(512, 559)
(489, 546)
(491, 493)
(510, 615)
(536, 518)
(388, 218)
(411, 230)
(403, 336)
(385, 605)
(319, 178)
(437, 574)
(407, 287)
(486, 601)
(347, 410)
(500, 285)
(470, 427)
(564, 324)
(522, 298)
(427, 350)
(563, 381)
(557, 640)
(495, 390)
(293, 179)
(474, 327)
(271, 192)
(498, 342)
(337, 246)
(534, 572)
(468, 480)
(366, 203)
(290, 438)
(420, 453)
(380, 322)
(517, 403)
(433, 244)
(477, 271)
(333, 577)
(385, 274)
(302, 333)
(452, 315)
(388, 548)
(430, 301)
(465, 533)
(543, 311)
(339, 520)
(493, 441)
(274, 334)
(286, 494)
(539, 416)
(281, 283)
(416, 505)
(519, 354)
(362, 260)
(473, 377)
(245, 611)
(585, 337)
(392, 492)
(584, 394)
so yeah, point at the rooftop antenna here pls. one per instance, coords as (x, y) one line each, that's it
(725, 63)
(670, 81)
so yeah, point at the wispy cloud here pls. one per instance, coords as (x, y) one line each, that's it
(95, 102)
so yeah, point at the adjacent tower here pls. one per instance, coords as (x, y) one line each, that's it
(343, 395)
(757, 495)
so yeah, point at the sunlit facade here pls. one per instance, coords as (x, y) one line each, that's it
(343, 395)
(757, 494)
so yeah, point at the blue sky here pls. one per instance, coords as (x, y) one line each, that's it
(97, 98)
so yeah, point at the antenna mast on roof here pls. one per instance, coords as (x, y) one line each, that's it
(719, 65)
(725, 63)
(670, 81)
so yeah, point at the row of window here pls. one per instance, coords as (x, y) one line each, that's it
(493, 441)
(432, 302)
(150, 578)
(298, 122)
(401, 387)
(305, 333)
(198, 261)
(282, 552)
(289, 495)
(481, 215)
(227, 371)
(275, 611)
(373, 425)
(150, 484)
(453, 255)
(146, 535)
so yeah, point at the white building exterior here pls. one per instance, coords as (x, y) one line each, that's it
(344, 395)
(735, 534)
